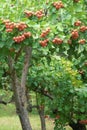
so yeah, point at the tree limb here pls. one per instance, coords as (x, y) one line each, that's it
(43, 93)
(3, 102)
(28, 51)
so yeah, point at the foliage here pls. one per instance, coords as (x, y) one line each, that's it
(63, 82)
(50, 28)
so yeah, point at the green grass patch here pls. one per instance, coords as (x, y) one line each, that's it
(10, 121)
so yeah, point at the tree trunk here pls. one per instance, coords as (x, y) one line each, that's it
(41, 114)
(42, 118)
(19, 89)
(20, 105)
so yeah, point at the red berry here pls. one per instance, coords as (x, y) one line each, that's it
(82, 41)
(74, 34)
(77, 23)
(83, 28)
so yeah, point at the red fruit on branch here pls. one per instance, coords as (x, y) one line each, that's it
(83, 28)
(9, 25)
(58, 5)
(27, 34)
(45, 33)
(21, 26)
(39, 14)
(28, 13)
(57, 40)
(82, 41)
(77, 23)
(19, 39)
(44, 42)
(9, 30)
(83, 122)
(74, 34)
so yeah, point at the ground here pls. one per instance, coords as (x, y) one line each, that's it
(10, 121)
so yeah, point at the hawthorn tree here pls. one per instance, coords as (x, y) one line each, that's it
(49, 27)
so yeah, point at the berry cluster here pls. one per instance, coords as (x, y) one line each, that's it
(83, 28)
(9, 25)
(27, 34)
(45, 33)
(39, 14)
(28, 13)
(19, 39)
(82, 41)
(57, 40)
(83, 122)
(74, 34)
(58, 5)
(77, 23)
(44, 42)
(21, 26)
(22, 37)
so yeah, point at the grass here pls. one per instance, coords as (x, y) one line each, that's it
(10, 121)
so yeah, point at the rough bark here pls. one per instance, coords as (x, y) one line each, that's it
(24, 72)
(19, 90)
(41, 114)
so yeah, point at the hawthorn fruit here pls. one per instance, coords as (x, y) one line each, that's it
(83, 122)
(57, 40)
(74, 34)
(9, 25)
(19, 39)
(27, 34)
(21, 26)
(45, 33)
(39, 14)
(82, 41)
(28, 13)
(44, 42)
(77, 23)
(83, 28)
(58, 5)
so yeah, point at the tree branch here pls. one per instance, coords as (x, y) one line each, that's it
(3, 102)
(28, 51)
(44, 93)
